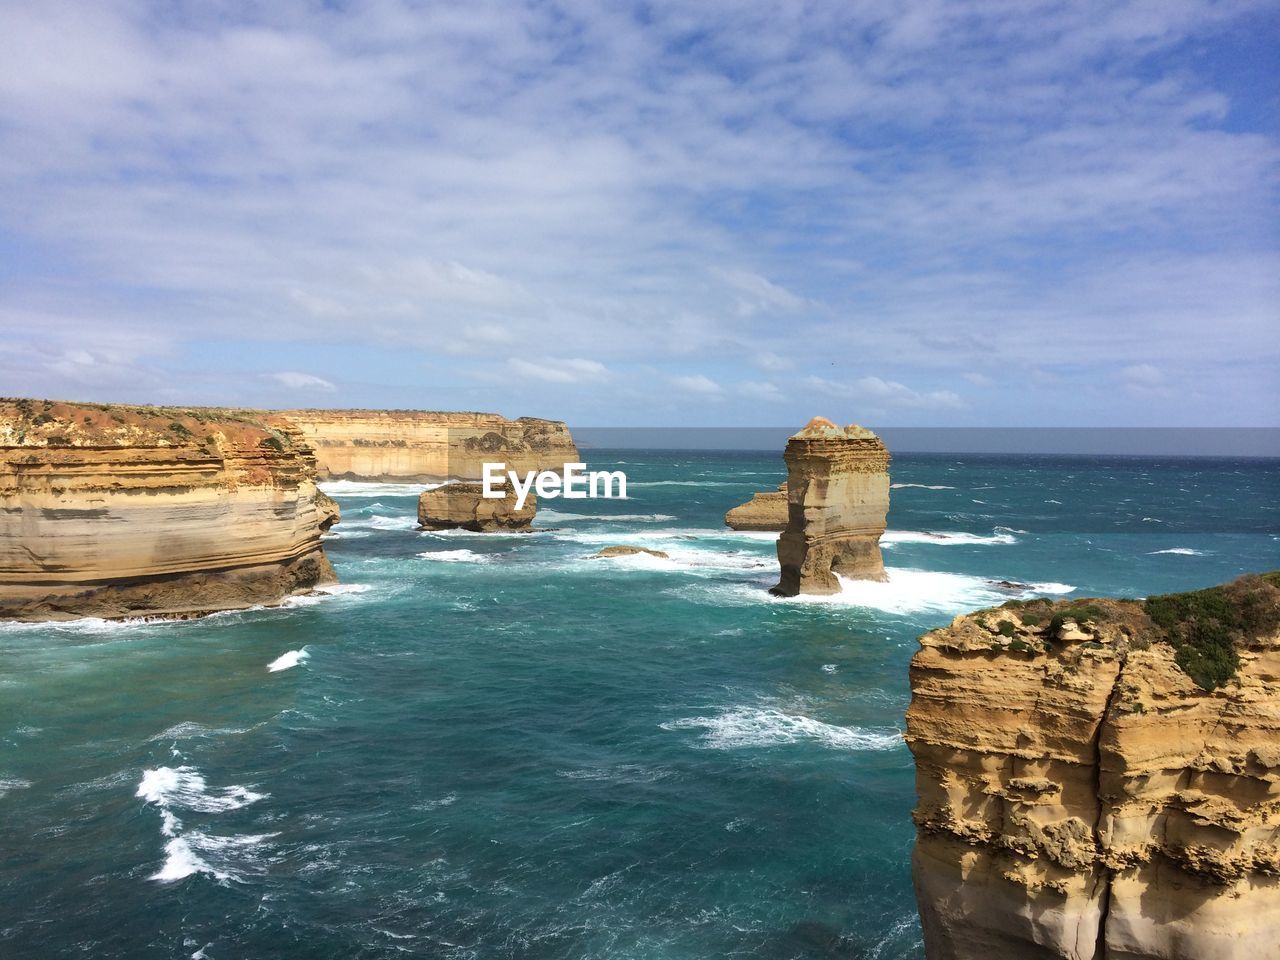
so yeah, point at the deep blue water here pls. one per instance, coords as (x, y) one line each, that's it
(494, 747)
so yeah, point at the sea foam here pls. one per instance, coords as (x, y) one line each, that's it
(359, 488)
(182, 788)
(766, 726)
(456, 556)
(1001, 536)
(290, 658)
(906, 591)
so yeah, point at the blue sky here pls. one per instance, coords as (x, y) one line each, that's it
(1004, 212)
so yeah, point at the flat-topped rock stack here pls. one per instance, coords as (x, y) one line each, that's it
(837, 505)
(463, 506)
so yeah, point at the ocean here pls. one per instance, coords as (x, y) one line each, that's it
(493, 746)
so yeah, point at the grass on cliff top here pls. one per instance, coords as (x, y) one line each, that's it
(1205, 627)
(57, 422)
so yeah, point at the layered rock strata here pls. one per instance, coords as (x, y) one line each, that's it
(419, 446)
(764, 512)
(463, 506)
(1082, 796)
(330, 512)
(114, 511)
(837, 504)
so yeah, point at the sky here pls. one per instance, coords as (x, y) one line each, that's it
(710, 213)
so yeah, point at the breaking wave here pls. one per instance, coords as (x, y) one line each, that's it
(183, 788)
(767, 727)
(456, 556)
(359, 488)
(1002, 536)
(290, 658)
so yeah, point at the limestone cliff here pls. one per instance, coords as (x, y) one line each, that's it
(837, 503)
(763, 512)
(1100, 779)
(464, 506)
(424, 446)
(116, 511)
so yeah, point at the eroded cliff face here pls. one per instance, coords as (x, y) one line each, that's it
(837, 504)
(1081, 796)
(116, 511)
(425, 446)
(765, 512)
(464, 506)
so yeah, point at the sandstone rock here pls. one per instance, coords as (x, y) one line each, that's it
(764, 511)
(1089, 799)
(420, 446)
(838, 499)
(464, 506)
(116, 511)
(330, 512)
(627, 551)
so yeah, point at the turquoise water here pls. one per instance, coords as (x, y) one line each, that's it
(492, 746)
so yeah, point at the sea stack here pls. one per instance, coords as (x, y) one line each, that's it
(1100, 779)
(837, 503)
(764, 512)
(463, 506)
(116, 511)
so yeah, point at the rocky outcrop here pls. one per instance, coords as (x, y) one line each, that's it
(623, 550)
(463, 506)
(422, 446)
(837, 501)
(765, 512)
(115, 511)
(1101, 779)
(330, 512)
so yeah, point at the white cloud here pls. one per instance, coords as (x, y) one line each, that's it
(759, 390)
(757, 293)
(301, 381)
(555, 370)
(434, 179)
(768, 360)
(1142, 374)
(696, 383)
(887, 393)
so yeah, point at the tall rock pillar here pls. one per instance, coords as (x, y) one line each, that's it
(837, 502)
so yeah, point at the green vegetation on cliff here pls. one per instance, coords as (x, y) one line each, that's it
(1206, 627)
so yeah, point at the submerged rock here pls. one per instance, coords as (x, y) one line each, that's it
(1100, 778)
(627, 551)
(838, 499)
(463, 506)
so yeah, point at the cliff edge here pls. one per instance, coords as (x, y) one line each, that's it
(117, 511)
(1101, 778)
(423, 446)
